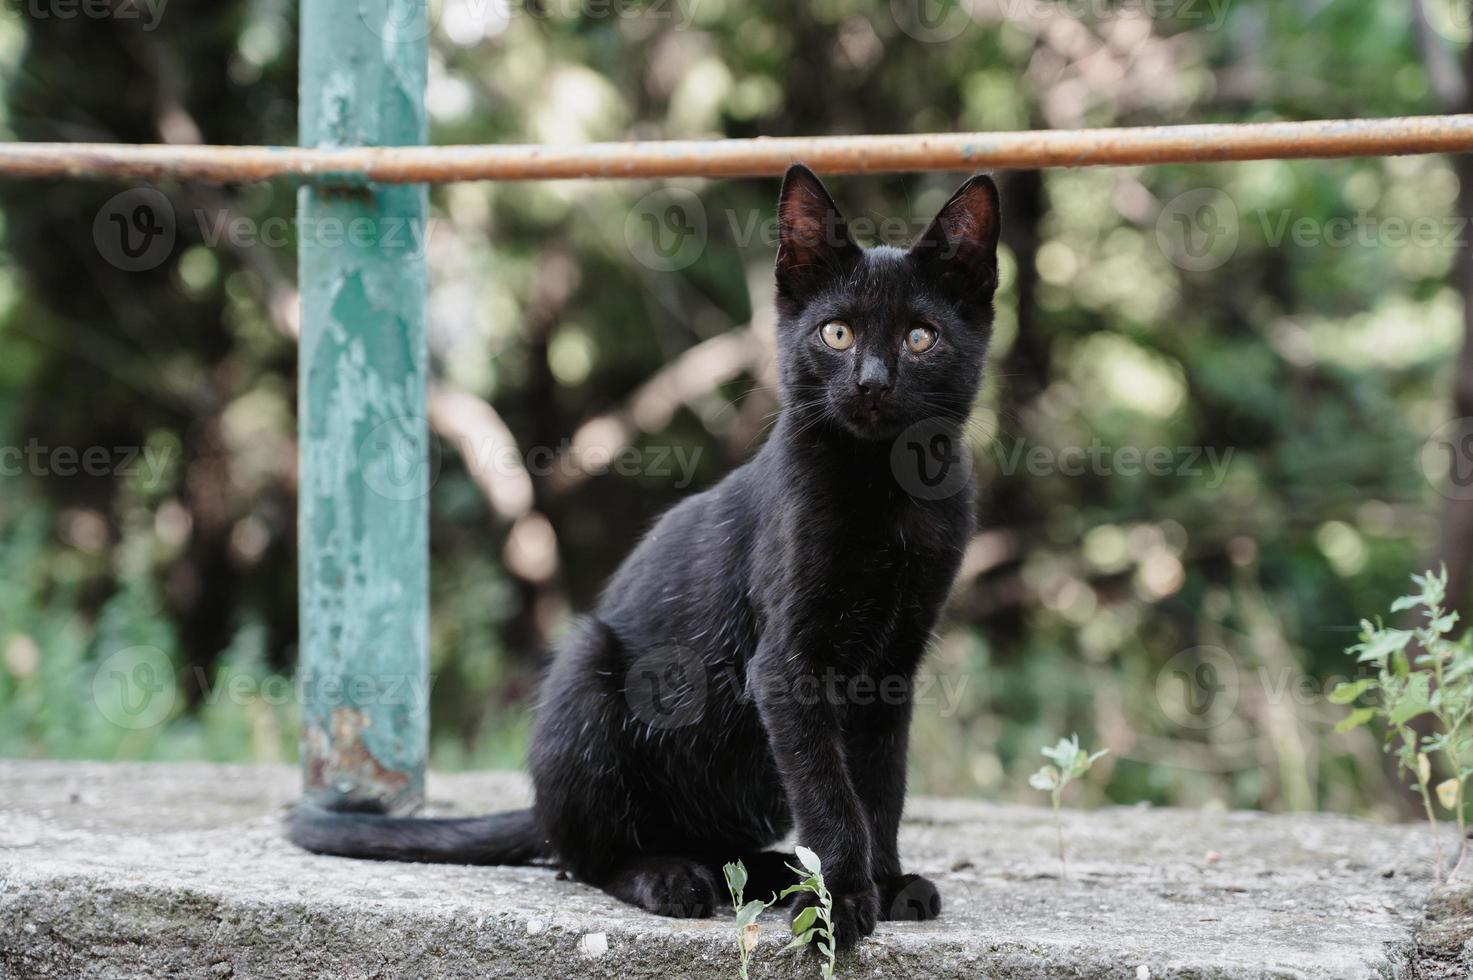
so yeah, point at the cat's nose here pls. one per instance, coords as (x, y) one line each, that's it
(874, 377)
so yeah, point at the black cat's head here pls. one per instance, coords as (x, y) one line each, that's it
(877, 339)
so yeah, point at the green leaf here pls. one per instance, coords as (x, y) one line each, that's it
(736, 877)
(801, 940)
(1348, 693)
(748, 913)
(1064, 753)
(1045, 779)
(1399, 666)
(1082, 762)
(1355, 719)
(809, 860)
(805, 919)
(1461, 667)
(1415, 700)
(1406, 602)
(1381, 645)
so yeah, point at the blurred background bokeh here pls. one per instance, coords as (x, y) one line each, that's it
(1216, 433)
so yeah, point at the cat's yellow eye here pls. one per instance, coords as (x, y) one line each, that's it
(920, 339)
(838, 335)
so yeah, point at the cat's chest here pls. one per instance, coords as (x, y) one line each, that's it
(869, 580)
(887, 540)
(861, 578)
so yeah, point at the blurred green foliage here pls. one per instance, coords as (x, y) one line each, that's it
(1189, 619)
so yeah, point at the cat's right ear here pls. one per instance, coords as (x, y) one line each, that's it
(814, 245)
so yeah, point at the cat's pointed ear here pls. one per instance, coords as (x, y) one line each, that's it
(959, 249)
(814, 244)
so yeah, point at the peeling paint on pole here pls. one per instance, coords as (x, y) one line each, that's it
(366, 460)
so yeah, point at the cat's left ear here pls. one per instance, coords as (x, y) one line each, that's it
(959, 249)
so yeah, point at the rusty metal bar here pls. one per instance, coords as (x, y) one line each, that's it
(747, 157)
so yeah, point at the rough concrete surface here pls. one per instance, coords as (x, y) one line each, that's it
(120, 871)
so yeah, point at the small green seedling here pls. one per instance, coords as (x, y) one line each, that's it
(1070, 762)
(815, 924)
(746, 913)
(1421, 673)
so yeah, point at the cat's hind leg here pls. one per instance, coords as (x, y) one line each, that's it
(688, 889)
(666, 885)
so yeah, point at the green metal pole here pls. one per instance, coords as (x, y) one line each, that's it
(364, 442)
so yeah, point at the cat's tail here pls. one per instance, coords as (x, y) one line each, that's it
(513, 837)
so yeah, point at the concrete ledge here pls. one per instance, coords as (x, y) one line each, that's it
(180, 870)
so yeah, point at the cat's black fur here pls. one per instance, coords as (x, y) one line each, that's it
(748, 670)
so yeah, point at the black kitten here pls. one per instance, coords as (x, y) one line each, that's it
(748, 670)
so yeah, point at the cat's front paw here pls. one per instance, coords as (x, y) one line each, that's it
(908, 898)
(855, 914)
